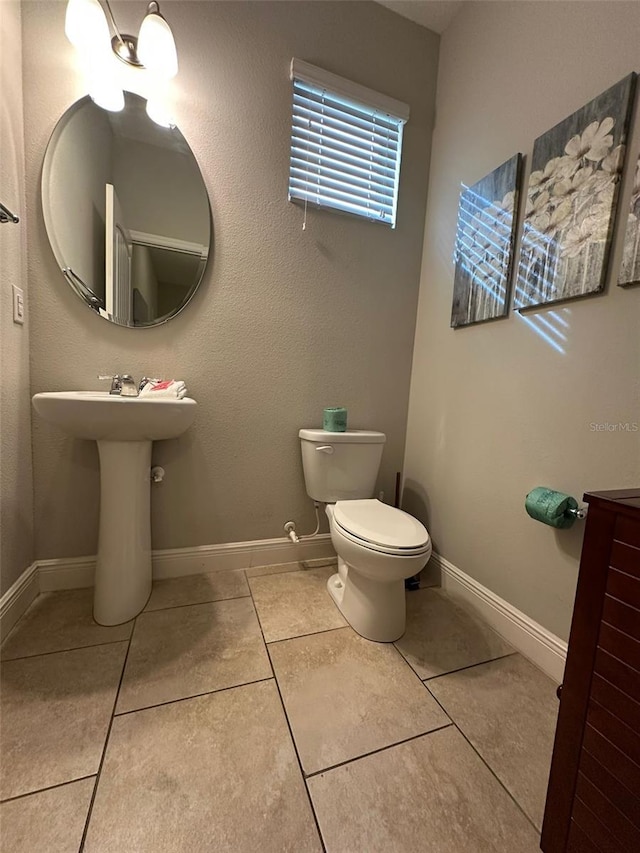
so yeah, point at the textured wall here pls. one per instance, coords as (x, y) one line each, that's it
(286, 322)
(181, 210)
(494, 410)
(16, 485)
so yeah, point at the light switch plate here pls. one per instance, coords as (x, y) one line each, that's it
(18, 305)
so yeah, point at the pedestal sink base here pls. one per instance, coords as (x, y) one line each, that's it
(123, 570)
(124, 428)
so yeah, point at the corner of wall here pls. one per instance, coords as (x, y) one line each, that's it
(16, 480)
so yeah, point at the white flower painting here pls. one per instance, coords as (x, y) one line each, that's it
(484, 245)
(571, 200)
(630, 265)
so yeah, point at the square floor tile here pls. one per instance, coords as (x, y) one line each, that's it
(197, 589)
(185, 651)
(442, 637)
(56, 621)
(346, 696)
(508, 710)
(55, 715)
(295, 603)
(47, 822)
(429, 795)
(214, 773)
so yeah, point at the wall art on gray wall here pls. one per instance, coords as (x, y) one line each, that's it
(484, 245)
(630, 264)
(571, 201)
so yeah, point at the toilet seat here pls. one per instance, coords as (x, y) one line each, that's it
(380, 527)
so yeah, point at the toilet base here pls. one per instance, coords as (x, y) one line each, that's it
(377, 611)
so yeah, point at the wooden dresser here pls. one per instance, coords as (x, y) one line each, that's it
(593, 799)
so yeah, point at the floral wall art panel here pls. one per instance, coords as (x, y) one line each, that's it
(484, 245)
(630, 264)
(571, 201)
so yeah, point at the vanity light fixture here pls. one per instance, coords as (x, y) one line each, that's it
(154, 48)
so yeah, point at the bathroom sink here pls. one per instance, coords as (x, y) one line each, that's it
(101, 416)
(124, 428)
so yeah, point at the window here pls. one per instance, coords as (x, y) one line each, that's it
(346, 143)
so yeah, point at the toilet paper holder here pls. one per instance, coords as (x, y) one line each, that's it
(580, 512)
(554, 508)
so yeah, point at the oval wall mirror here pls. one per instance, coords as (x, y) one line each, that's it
(126, 211)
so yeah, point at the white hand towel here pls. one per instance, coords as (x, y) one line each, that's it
(155, 388)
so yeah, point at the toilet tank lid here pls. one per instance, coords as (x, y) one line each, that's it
(351, 436)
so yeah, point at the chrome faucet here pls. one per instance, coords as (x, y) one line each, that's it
(144, 381)
(121, 385)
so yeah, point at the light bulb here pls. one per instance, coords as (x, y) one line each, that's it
(156, 46)
(86, 26)
(87, 29)
(103, 87)
(157, 112)
(106, 94)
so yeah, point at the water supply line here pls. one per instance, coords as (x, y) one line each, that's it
(290, 527)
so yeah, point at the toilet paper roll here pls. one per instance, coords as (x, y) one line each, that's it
(334, 419)
(550, 507)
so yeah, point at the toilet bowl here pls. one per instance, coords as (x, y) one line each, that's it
(378, 546)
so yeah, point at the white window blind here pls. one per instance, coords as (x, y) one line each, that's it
(346, 144)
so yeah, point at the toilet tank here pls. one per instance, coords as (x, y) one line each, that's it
(341, 466)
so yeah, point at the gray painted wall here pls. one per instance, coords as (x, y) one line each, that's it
(494, 410)
(286, 322)
(16, 485)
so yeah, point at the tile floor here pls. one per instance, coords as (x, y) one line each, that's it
(239, 712)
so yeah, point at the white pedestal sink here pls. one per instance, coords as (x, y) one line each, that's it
(124, 428)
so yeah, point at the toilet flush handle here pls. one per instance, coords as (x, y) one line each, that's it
(325, 448)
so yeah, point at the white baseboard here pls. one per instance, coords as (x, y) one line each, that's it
(17, 598)
(177, 562)
(78, 572)
(65, 573)
(540, 646)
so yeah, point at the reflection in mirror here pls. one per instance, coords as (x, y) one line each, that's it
(126, 211)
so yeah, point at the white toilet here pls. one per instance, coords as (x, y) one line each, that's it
(378, 546)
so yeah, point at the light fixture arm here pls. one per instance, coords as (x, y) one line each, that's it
(113, 21)
(124, 45)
